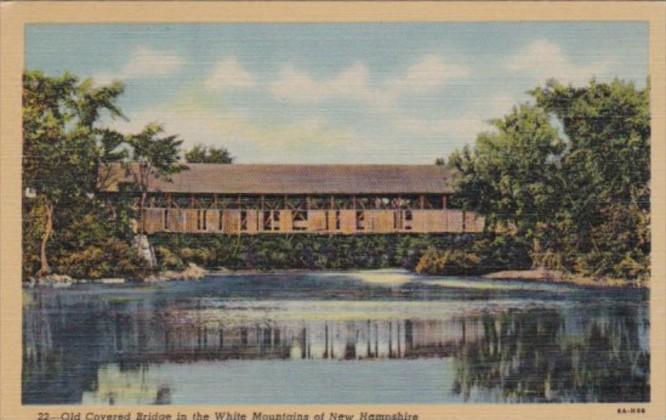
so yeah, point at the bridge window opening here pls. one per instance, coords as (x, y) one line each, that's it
(267, 220)
(360, 220)
(243, 220)
(318, 203)
(337, 220)
(327, 227)
(433, 202)
(409, 217)
(165, 219)
(271, 220)
(300, 220)
(201, 219)
(220, 221)
(382, 202)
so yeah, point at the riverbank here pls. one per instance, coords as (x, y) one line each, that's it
(553, 276)
(191, 272)
(195, 272)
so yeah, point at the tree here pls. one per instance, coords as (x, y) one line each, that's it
(62, 145)
(607, 168)
(580, 193)
(205, 154)
(512, 175)
(152, 158)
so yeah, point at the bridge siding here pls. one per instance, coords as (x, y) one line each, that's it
(376, 221)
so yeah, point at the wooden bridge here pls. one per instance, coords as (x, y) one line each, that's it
(326, 199)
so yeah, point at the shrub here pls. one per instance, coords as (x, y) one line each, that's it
(338, 252)
(448, 262)
(168, 260)
(109, 258)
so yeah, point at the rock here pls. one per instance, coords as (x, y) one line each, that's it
(56, 280)
(192, 272)
(146, 251)
(111, 280)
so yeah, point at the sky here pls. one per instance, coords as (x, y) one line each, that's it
(334, 93)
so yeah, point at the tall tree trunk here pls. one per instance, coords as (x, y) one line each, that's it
(48, 230)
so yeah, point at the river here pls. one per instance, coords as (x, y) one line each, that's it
(381, 336)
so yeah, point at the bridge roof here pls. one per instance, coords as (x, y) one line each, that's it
(297, 179)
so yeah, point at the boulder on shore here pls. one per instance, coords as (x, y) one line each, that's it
(54, 280)
(192, 272)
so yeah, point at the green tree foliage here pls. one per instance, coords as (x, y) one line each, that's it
(204, 154)
(447, 163)
(580, 196)
(511, 175)
(335, 252)
(448, 262)
(153, 156)
(70, 225)
(605, 222)
(63, 147)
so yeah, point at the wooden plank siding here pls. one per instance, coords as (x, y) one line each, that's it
(212, 221)
(344, 221)
(317, 221)
(473, 222)
(380, 221)
(231, 221)
(153, 220)
(347, 221)
(286, 220)
(333, 216)
(454, 220)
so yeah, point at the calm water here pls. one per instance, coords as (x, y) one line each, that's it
(354, 337)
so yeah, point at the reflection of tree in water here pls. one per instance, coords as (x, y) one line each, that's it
(67, 337)
(62, 348)
(530, 356)
(526, 355)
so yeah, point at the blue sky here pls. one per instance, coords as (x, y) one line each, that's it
(334, 93)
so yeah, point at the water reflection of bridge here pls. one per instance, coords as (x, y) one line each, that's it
(531, 354)
(348, 340)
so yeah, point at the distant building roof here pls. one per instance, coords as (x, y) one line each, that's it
(300, 179)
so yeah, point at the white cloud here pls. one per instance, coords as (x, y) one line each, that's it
(543, 60)
(431, 72)
(229, 74)
(250, 140)
(144, 63)
(498, 105)
(464, 128)
(297, 86)
(428, 74)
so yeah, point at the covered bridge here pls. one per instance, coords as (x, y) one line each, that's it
(326, 199)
